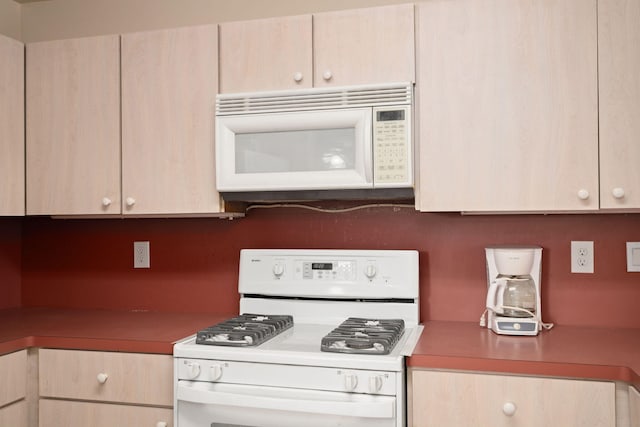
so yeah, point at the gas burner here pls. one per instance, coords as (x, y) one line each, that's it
(366, 336)
(244, 330)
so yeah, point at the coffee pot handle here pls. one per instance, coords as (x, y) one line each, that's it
(495, 295)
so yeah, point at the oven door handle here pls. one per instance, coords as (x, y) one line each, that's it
(342, 404)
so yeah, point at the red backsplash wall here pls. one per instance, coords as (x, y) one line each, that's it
(10, 262)
(88, 263)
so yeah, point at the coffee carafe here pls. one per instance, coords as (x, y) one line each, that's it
(513, 295)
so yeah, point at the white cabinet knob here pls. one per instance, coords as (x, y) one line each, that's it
(297, 77)
(106, 201)
(618, 192)
(583, 194)
(509, 409)
(130, 201)
(350, 382)
(102, 377)
(161, 424)
(327, 75)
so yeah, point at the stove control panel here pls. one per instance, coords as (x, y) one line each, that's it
(330, 273)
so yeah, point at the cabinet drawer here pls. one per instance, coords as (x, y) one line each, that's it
(130, 377)
(14, 415)
(13, 377)
(634, 406)
(60, 413)
(462, 399)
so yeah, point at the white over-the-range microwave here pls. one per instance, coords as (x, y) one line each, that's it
(341, 142)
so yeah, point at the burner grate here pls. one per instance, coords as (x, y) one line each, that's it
(244, 330)
(364, 336)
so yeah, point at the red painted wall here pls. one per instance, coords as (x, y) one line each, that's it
(88, 263)
(10, 262)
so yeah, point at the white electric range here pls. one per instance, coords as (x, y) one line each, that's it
(320, 340)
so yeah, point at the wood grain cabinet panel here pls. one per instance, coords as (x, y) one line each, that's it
(13, 375)
(60, 413)
(266, 54)
(507, 105)
(14, 415)
(455, 399)
(130, 377)
(73, 126)
(12, 196)
(634, 406)
(619, 86)
(364, 46)
(169, 85)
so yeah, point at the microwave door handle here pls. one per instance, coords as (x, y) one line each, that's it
(373, 409)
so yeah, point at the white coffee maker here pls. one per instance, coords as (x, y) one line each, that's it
(513, 296)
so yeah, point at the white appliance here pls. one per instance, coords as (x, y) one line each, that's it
(321, 139)
(300, 377)
(513, 295)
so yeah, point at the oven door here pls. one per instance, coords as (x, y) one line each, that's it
(201, 404)
(301, 150)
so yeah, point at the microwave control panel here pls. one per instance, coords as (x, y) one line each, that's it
(392, 151)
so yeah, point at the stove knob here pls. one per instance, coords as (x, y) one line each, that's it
(192, 369)
(216, 372)
(370, 271)
(278, 269)
(350, 382)
(375, 383)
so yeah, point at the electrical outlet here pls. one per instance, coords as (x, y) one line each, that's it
(141, 255)
(582, 257)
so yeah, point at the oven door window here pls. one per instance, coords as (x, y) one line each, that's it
(295, 150)
(231, 405)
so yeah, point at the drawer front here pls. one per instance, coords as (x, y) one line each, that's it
(462, 399)
(634, 405)
(107, 376)
(13, 377)
(14, 415)
(61, 413)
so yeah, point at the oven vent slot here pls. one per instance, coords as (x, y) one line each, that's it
(314, 99)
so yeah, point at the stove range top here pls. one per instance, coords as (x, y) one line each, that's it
(364, 336)
(245, 330)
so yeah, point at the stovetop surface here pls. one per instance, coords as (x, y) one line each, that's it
(301, 345)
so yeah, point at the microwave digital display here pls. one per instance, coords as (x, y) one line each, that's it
(384, 116)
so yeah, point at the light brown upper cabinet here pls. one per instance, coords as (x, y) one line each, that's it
(11, 127)
(360, 46)
(73, 126)
(508, 105)
(619, 85)
(169, 85)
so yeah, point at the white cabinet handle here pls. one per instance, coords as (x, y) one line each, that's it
(130, 201)
(161, 424)
(106, 201)
(327, 75)
(583, 194)
(618, 192)
(509, 409)
(297, 77)
(102, 378)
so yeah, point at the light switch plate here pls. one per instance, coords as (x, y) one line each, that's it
(633, 256)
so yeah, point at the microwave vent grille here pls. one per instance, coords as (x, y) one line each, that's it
(314, 99)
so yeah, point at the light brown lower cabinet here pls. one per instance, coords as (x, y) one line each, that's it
(13, 389)
(456, 399)
(14, 415)
(65, 413)
(634, 406)
(97, 388)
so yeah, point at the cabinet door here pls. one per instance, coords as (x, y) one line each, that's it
(267, 54)
(14, 415)
(169, 84)
(61, 413)
(11, 127)
(619, 84)
(508, 105)
(361, 46)
(634, 405)
(460, 400)
(73, 126)
(13, 377)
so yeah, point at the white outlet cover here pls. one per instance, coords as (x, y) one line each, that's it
(141, 255)
(582, 257)
(633, 256)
